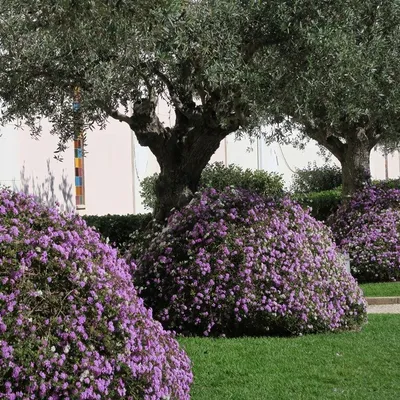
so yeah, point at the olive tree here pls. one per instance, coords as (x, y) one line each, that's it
(341, 86)
(221, 65)
(125, 55)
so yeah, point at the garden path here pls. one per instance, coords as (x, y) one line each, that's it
(384, 309)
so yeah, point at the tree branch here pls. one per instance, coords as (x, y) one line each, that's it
(252, 47)
(174, 96)
(326, 139)
(374, 134)
(119, 116)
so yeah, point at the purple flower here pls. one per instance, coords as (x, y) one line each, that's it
(367, 227)
(258, 273)
(79, 329)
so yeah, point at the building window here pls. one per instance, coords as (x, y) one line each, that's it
(79, 159)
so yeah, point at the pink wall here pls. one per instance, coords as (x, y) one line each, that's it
(115, 165)
(108, 170)
(29, 165)
(40, 174)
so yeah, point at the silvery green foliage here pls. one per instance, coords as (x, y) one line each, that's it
(49, 47)
(341, 82)
(229, 57)
(120, 53)
(329, 69)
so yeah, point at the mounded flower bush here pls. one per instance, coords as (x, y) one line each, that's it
(233, 263)
(368, 228)
(371, 199)
(71, 323)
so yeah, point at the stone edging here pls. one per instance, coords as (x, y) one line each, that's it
(382, 300)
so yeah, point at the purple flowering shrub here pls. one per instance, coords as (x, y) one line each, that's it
(234, 263)
(368, 228)
(71, 323)
(371, 199)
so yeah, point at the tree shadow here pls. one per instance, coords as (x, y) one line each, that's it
(44, 192)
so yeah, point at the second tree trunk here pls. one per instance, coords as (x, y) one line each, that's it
(356, 171)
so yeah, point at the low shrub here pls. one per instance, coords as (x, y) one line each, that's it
(370, 199)
(234, 263)
(71, 323)
(316, 179)
(374, 246)
(322, 204)
(367, 226)
(387, 184)
(218, 176)
(264, 183)
(118, 228)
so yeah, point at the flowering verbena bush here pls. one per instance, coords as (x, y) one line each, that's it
(71, 323)
(370, 199)
(367, 227)
(233, 263)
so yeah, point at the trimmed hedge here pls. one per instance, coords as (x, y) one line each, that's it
(218, 176)
(118, 228)
(323, 204)
(387, 184)
(316, 179)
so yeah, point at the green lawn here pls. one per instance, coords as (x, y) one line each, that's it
(363, 365)
(381, 289)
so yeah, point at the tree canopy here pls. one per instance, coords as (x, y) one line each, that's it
(203, 57)
(103, 47)
(209, 58)
(341, 86)
(121, 53)
(224, 66)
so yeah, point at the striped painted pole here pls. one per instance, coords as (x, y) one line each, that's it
(79, 158)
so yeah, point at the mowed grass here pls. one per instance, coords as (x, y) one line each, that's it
(353, 365)
(386, 289)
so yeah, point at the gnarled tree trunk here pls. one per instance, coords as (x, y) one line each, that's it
(183, 150)
(181, 165)
(356, 171)
(352, 148)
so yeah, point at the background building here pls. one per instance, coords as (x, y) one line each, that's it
(115, 164)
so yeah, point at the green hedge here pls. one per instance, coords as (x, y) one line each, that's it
(326, 202)
(218, 176)
(322, 204)
(316, 179)
(388, 184)
(118, 228)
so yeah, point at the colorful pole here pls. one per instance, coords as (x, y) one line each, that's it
(79, 158)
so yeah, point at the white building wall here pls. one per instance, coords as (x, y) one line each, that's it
(241, 152)
(108, 171)
(378, 165)
(28, 165)
(9, 156)
(115, 165)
